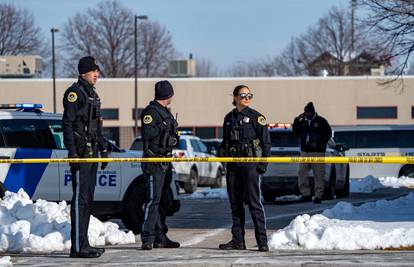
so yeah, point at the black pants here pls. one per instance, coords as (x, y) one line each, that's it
(243, 185)
(158, 181)
(83, 185)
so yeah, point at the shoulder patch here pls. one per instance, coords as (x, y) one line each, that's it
(72, 97)
(261, 120)
(147, 119)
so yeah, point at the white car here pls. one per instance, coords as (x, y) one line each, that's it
(27, 132)
(192, 174)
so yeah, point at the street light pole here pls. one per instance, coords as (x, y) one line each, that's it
(136, 72)
(53, 30)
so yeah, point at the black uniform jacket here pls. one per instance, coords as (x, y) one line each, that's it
(80, 124)
(314, 133)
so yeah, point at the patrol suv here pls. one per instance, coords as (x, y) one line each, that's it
(193, 174)
(27, 132)
(282, 178)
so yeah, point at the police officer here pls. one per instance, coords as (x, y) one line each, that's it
(159, 134)
(315, 133)
(82, 133)
(245, 134)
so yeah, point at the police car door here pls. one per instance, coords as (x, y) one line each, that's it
(29, 137)
(108, 181)
(201, 166)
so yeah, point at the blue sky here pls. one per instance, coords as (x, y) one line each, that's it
(223, 31)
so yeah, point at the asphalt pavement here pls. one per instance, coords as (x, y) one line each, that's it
(202, 224)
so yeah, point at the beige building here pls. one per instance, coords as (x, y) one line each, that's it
(202, 103)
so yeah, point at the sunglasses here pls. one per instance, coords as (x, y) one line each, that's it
(246, 95)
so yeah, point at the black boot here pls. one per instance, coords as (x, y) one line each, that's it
(305, 199)
(165, 242)
(233, 246)
(317, 200)
(146, 246)
(263, 248)
(100, 250)
(86, 254)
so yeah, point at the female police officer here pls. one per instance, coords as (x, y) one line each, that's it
(245, 134)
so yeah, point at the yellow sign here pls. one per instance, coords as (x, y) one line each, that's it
(261, 120)
(147, 119)
(72, 97)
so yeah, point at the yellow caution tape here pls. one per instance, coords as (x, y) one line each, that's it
(369, 159)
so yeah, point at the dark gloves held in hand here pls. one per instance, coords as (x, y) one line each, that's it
(261, 168)
(104, 154)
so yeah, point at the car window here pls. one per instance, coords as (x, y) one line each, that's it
(26, 133)
(202, 146)
(376, 139)
(137, 145)
(56, 128)
(284, 139)
(195, 146)
(182, 144)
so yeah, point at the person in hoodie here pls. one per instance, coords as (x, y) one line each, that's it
(314, 132)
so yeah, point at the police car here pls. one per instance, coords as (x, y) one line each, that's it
(192, 174)
(282, 178)
(27, 132)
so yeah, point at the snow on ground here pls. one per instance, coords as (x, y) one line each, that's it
(5, 262)
(373, 225)
(45, 226)
(217, 193)
(370, 183)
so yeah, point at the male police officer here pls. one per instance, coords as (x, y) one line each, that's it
(315, 133)
(159, 134)
(82, 133)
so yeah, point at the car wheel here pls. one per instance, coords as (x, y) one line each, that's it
(2, 190)
(407, 171)
(344, 192)
(133, 213)
(219, 181)
(331, 186)
(191, 186)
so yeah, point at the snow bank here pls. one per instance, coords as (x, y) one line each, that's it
(374, 225)
(370, 183)
(217, 193)
(45, 226)
(5, 262)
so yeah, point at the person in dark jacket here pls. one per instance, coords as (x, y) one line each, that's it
(82, 135)
(315, 133)
(245, 134)
(160, 136)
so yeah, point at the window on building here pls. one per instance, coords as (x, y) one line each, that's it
(110, 113)
(376, 112)
(412, 112)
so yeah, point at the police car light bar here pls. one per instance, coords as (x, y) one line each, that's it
(25, 106)
(185, 132)
(280, 125)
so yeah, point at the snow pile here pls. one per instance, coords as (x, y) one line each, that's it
(217, 193)
(45, 226)
(374, 225)
(370, 183)
(6, 261)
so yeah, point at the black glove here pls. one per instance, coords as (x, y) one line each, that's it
(104, 154)
(261, 167)
(74, 167)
